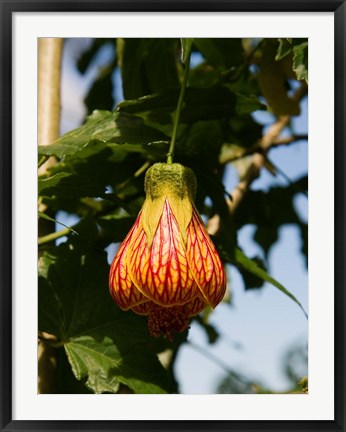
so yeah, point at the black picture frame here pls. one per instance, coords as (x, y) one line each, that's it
(7, 8)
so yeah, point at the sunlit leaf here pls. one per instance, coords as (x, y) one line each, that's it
(102, 127)
(251, 266)
(300, 61)
(284, 48)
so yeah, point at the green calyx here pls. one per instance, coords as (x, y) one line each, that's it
(170, 179)
(172, 182)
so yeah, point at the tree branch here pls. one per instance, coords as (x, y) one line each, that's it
(258, 161)
(53, 236)
(49, 64)
(237, 153)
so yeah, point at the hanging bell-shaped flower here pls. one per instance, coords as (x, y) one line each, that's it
(167, 267)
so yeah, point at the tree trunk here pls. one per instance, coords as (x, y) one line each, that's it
(49, 65)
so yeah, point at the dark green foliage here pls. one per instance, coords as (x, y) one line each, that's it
(221, 53)
(100, 94)
(105, 346)
(270, 210)
(147, 65)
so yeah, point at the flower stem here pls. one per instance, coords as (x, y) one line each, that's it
(53, 236)
(179, 107)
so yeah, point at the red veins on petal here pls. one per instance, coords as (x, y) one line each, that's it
(143, 308)
(162, 272)
(191, 308)
(168, 281)
(121, 287)
(205, 262)
(195, 306)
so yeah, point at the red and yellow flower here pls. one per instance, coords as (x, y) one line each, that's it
(167, 267)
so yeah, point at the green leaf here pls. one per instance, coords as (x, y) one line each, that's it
(186, 45)
(65, 381)
(88, 56)
(116, 141)
(272, 79)
(116, 227)
(248, 104)
(243, 131)
(251, 281)
(251, 266)
(118, 161)
(299, 48)
(101, 128)
(203, 75)
(147, 65)
(45, 216)
(284, 48)
(100, 95)
(271, 209)
(46, 185)
(104, 365)
(105, 345)
(132, 130)
(200, 104)
(82, 180)
(203, 142)
(300, 61)
(221, 52)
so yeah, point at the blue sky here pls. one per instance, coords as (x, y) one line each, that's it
(260, 325)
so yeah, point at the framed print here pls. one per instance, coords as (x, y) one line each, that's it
(181, 168)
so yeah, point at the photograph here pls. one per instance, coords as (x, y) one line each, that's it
(172, 187)
(172, 216)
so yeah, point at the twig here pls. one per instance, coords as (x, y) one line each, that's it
(258, 161)
(50, 340)
(219, 362)
(242, 152)
(288, 179)
(289, 140)
(53, 236)
(252, 173)
(139, 172)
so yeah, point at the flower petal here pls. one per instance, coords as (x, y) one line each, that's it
(143, 308)
(205, 262)
(195, 306)
(121, 287)
(192, 308)
(161, 272)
